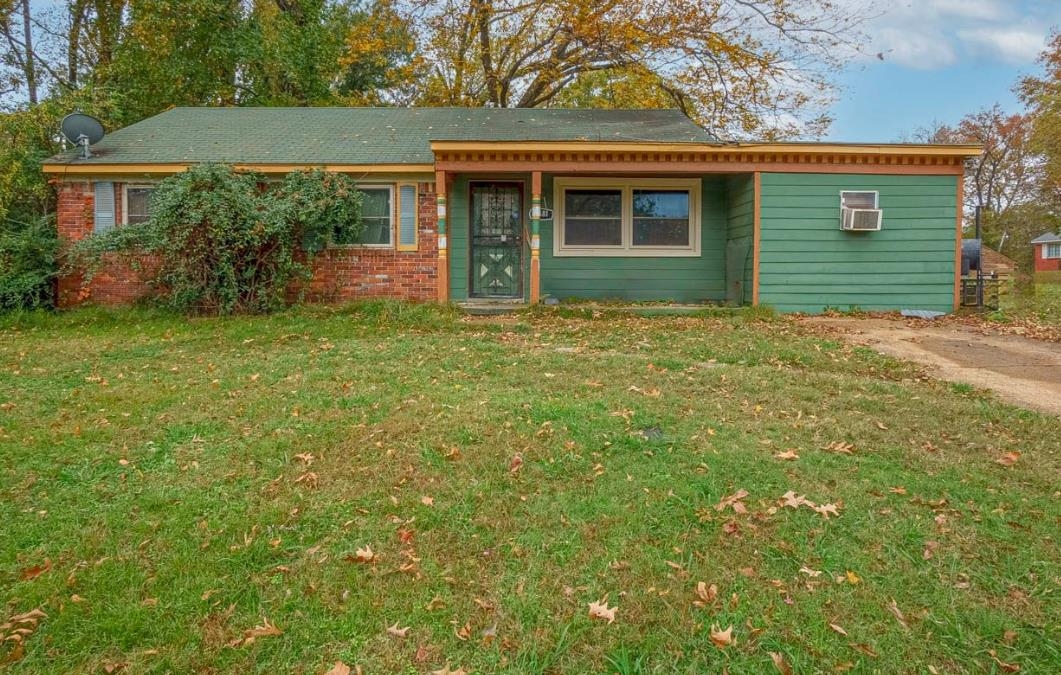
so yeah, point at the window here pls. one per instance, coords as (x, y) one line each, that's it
(377, 214)
(859, 200)
(1052, 250)
(137, 203)
(627, 217)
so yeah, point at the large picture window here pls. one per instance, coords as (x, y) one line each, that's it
(627, 217)
(1052, 251)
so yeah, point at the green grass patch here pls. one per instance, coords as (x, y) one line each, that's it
(170, 484)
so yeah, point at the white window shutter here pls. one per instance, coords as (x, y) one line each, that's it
(104, 215)
(407, 235)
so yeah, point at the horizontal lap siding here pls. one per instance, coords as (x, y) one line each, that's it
(689, 279)
(740, 217)
(807, 263)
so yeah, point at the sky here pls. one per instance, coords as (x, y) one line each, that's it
(942, 60)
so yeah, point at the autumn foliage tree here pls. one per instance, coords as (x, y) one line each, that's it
(739, 67)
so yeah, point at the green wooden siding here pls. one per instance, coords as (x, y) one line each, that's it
(692, 279)
(807, 263)
(740, 221)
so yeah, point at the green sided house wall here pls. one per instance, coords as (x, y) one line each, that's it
(807, 263)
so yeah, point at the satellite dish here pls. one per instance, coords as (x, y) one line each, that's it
(83, 130)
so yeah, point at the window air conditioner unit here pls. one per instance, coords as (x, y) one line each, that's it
(861, 220)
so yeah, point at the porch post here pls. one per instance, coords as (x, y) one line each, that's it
(535, 242)
(443, 246)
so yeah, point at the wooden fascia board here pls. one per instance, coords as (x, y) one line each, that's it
(681, 168)
(172, 168)
(885, 149)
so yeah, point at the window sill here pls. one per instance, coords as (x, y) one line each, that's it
(626, 253)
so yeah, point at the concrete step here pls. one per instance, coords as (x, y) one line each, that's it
(491, 307)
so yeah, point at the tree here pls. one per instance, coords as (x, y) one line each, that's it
(739, 67)
(1042, 95)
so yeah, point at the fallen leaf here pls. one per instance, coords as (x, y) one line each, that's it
(838, 629)
(305, 457)
(266, 629)
(516, 463)
(394, 631)
(339, 668)
(489, 635)
(76, 599)
(733, 501)
(794, 501)
(930, 549)
(453, 454)
(841, 447)
(464, 632)
(897, 613)
(33, 572)
(826, 509)
(447, 671)
(1006, 667)
(722, 638)
(427, 501)
(810, 573)
(779, 663)
(705, 595)
(1009, 637)
(852, 578)
(600, 610)
(787, 454)
(363, 555)
(1008, 459)
(864, 648)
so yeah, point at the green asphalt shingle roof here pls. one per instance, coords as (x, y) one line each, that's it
(365, 135)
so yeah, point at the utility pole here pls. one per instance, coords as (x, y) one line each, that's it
(30, 65)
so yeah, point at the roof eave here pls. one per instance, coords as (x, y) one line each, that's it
(877, 149)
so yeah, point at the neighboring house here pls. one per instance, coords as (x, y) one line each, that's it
(1047, 252)
(520, 204)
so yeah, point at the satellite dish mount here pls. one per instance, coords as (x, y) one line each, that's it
(82, 130)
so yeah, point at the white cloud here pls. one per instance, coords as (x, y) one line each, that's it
(931, 34)
(1015, 45)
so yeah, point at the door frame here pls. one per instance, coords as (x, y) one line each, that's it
(512, 182)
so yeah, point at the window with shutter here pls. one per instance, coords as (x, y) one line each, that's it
(407, 225)
(104, 207)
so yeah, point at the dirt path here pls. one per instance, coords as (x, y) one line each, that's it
(1020, 370)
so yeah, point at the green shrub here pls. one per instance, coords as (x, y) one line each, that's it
(223, 242)
(27, 264)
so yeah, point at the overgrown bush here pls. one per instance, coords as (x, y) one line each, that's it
(27, 264)
(225, 241)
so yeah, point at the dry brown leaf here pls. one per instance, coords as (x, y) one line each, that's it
(394, 631)
(76, 599)
(339, 668)
(794, 501)
(33, 572)
(464, 632)
(733, 501)
(930, 549)
(1006, 667)
(705, 595)
(427, 501)
(454, 453)
(826, 509)
(305, 457)
(839, 629)
(864, 648)
(447, 671)
(266, 629)
(897, 613)
(787, 454)
(851, 577)
(601, 610)
(780, 664)
(363, 555)
(1009, 637)
(516, 464)
(1008, 459)
(810, 573)
(722, 638)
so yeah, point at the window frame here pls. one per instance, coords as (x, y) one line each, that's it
(876, 199)
(390, 187)
(626, 187)
(1046, 250)
(125, 198)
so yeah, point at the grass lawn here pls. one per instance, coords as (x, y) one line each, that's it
(171, 488)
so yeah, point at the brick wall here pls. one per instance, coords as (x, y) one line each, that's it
(1045, 264)
(338, 275)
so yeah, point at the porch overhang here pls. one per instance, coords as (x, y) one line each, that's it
(687, 158)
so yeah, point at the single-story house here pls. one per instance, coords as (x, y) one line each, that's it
(1047, 252)
(525, 204)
